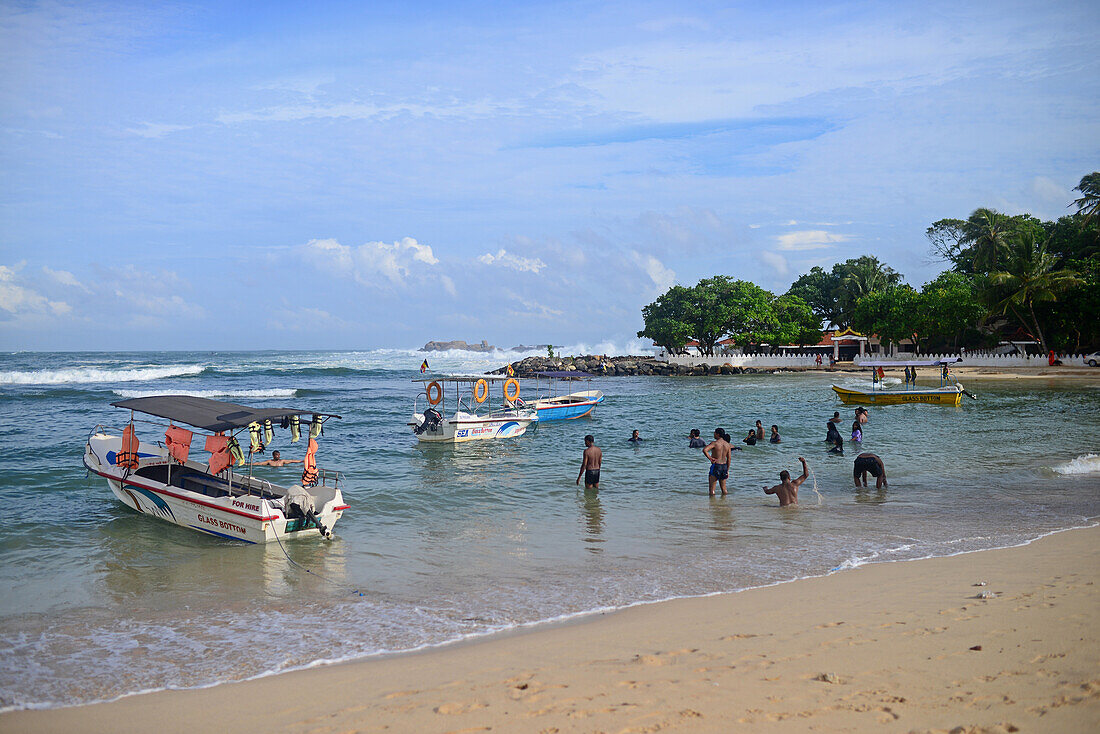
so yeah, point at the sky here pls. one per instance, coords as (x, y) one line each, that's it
(356, 175)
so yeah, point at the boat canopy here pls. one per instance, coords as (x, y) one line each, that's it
(561, 374)
(209, 415)
(912, 362)
(462, 378)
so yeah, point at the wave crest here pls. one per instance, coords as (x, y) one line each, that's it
(82, 375)
(1084, 464)
(226, 393)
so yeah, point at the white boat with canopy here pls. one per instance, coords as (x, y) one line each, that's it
(216, 497)
(949, 391)
(474, 417)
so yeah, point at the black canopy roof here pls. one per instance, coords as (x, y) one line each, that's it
(209, 415)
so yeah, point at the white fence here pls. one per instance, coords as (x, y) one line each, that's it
(762, 361)
(779, 361)
(984, 359)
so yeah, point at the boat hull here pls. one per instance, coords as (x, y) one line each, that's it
(849, 396)
(452, 430)
(568, 407)
(243, 517)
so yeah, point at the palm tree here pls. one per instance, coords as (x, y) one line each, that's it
(986, 232)
(1089, 204)
(1029, 278)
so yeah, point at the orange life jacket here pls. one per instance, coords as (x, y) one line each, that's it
(178, 441)
(127, 457)
(309, 466)
(218, 446)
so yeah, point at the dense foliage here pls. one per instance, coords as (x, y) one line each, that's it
(1009, 275)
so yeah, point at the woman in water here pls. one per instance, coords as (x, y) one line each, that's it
(775, 435)
(857, 432)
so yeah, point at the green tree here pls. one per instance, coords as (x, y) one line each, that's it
(1073, 321)
(1030, 276)
(668, 319)
(797, 323)
(950, 308)
(1088, 205)
(893, 313)
(946, 238)
(818, 289)
(736, 308)
(856, 278)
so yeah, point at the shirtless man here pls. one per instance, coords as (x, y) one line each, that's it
(868, 462)
(590, 464)
(276, 461)
(759, 431)
(787, 489)
(718, 451)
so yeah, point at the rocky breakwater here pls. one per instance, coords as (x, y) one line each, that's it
(616, 367)
(457, 344)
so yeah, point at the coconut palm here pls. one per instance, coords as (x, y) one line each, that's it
(986, 232)
(1089, 204)
(1030, 277)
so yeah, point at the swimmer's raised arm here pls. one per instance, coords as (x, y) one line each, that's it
(805, 472)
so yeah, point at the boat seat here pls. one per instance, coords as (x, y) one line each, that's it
(202, 484)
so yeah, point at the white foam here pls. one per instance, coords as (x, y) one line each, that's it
(96, 374)
(227, 393)
(1084, 464)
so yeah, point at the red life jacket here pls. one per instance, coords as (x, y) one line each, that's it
(127, 457)
(178, 441)
(309, 466)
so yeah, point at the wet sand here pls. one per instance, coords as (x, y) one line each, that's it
(914, 646)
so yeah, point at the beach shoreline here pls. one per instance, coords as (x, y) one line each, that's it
(909, 644)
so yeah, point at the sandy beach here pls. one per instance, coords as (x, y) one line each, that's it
(995, 641)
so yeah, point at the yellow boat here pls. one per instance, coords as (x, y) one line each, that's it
(949, 392)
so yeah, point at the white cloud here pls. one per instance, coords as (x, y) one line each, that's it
(394, 261)
(20, 299)
(808, 239)
(64, 277)
(1049, 191)
(505, 259)
(776, 261)
(663, 278)
(448, 285)
(156, 130)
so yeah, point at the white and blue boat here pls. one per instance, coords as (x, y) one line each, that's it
(552, 407)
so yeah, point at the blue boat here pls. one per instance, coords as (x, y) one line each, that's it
(564, 407)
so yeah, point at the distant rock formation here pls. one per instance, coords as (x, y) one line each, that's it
(458, 344)
(533, 348)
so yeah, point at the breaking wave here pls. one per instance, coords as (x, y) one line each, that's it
(1084, 464)
(81, 375)
(227, 393)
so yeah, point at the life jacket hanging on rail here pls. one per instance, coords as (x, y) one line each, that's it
(269, 434)
(309, 469)
(254, 435)
(178, 442)
(295, 429)
(127, 457)
(220, 459)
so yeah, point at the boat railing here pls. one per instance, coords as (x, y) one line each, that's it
(325, 476)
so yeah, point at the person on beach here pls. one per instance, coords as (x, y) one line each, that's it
(275, 460)
(695, 442)
(868, 462)
(718, 452)
(590, 464)
(634, 437)
(750, 439)
(759, 431)
(818, 360)
(787, 489)
(775, 435)
(857, 432)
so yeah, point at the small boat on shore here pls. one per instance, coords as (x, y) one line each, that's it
(949, 392)
(161, 480)
(564, 407)
(474, 418)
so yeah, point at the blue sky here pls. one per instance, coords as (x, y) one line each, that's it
(358, 175)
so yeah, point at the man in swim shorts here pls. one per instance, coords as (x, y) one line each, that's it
(718, 451)
(276, 461)
(590, 464)
(868, 462)
(787, 489)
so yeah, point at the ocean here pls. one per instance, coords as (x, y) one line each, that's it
(445, 543)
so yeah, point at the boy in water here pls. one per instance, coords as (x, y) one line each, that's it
(868, 462)
(590, 464)
(718, 451)
(787, 489)
(276, 461)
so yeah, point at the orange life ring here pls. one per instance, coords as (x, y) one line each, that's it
(481, 391)
(511, 382)
(438, 393)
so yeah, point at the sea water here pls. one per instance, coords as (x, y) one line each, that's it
(442, 543)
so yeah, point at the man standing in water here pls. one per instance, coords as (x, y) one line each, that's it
(718, 451)
(590, 464)
(868, 462)
(787, 489)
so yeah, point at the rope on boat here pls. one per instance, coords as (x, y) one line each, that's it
(310, 571)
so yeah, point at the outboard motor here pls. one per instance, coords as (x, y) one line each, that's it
(432, 419)
(299, 503)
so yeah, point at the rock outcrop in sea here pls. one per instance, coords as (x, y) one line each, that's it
(457, 344)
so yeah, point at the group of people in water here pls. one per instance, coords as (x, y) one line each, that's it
(720, 451)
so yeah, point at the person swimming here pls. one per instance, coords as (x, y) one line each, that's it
(750, 439)
(634, 437)
(775, 435)
(695, 442)
(832, 434)
(787, 489)
(838, 445)
(857, 432)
